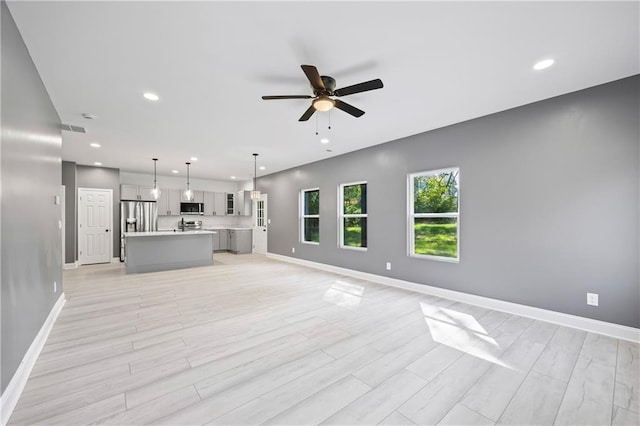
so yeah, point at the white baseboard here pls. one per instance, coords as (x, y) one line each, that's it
(73, 265)
(115, 260)
(601, 327)
(13, 391)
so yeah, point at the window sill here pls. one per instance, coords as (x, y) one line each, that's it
(353, 248)
(311, 243)
(436, 258)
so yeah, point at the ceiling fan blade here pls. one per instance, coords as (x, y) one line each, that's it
(349, 109)
(361, 87)
(313, 76)
(307, 114)
(271, 98)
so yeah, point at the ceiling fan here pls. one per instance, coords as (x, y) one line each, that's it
(324, 87)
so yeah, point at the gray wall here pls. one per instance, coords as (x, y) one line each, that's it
(103, 178)
(549, 204)
(31, 251)
(70, 211)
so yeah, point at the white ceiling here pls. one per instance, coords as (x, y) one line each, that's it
(441, 63)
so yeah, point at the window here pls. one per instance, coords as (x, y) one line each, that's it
(310, 216)
(433, 214)
(353, 215)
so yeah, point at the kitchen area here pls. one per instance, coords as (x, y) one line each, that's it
(180, 230)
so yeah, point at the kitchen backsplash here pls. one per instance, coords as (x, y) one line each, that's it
(171, 222)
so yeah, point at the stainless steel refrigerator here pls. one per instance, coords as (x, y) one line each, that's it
(137, 216)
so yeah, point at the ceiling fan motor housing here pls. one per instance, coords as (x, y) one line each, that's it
(329, 85)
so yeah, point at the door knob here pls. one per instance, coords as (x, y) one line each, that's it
(107, 230)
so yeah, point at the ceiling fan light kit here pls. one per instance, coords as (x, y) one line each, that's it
(324, 87)
(323, 103)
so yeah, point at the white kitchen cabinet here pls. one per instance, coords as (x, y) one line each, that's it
(223, 239)
(128, 192)
(243, 203)
(169, 202)
(198, 197)
(136, 192)
(214, 203)
(240, 241)
(230, 204)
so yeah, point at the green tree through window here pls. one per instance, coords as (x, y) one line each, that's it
(434, 213)
(310, 217)
(353, 215)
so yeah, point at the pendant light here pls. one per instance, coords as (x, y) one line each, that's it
(188, 193)
(155, 192)
(255, 194)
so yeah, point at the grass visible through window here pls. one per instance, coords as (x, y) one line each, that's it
(436, 239)
(353, 236)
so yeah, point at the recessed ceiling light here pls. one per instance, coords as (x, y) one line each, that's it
(329, 150)
(262, 167)
(88, 116)
(151, 96)
(94, 145)
(324, 140)
(174, 171)
(233, 177)
(194, 158)
(97, 163)
(545, 63)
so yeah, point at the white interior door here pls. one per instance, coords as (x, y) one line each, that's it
(260, 222)
(94, 225)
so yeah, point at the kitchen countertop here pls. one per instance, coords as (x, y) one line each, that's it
(229, 227)
(165, 233)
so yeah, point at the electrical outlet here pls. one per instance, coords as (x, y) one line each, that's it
(388, 266)
(592, 299)
(55, 286)
(293, 249)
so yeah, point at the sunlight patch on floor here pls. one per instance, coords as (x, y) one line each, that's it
(462, 332)
(344, 294)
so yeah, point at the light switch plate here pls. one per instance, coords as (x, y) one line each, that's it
(592, 299)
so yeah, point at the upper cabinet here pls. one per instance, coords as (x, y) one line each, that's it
(136, 193)
(198, 197)
(214, 203)
(243, 203)
(169, 202)
(230, 204)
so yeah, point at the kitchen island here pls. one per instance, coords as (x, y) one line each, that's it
(165, 250)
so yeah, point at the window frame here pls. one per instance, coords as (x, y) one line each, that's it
(411, 216)
(302, 216)
(342, 216)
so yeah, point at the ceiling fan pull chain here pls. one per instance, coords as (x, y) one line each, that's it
(329, 119)
(316, 124)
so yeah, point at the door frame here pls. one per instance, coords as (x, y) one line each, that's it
(63, 224)
(110, 240)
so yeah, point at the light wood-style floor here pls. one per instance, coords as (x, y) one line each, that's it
(257, 341)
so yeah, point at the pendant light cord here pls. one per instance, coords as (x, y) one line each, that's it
(255, 171)
(155, 161)
(188, 186)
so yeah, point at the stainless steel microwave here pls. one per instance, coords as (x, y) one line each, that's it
(191, 208)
